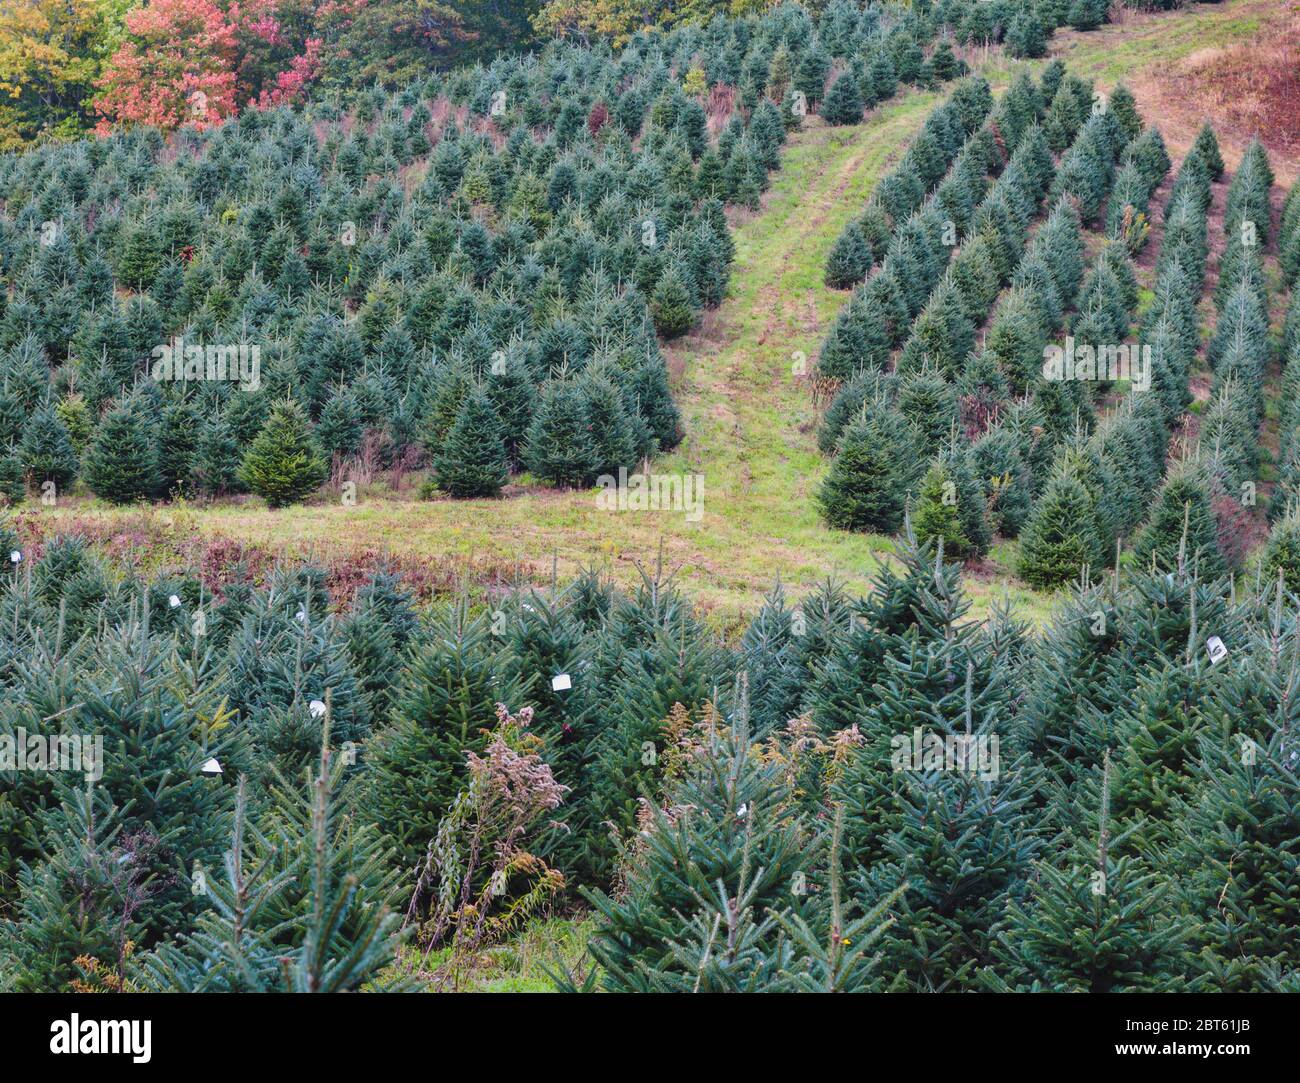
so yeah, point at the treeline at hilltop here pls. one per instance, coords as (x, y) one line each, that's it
(70, 66)
(310, 793)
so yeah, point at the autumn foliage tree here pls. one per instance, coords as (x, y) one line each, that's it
(198, 62)
(48, 64)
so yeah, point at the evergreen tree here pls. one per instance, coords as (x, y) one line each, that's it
(1087, 14)
(1235, 826)
(936, 518)
(1096, 920)
(1025, 35)
(1281, 554)
(121, 464)
(612, 430)
(676, 666)
(671, 305)
(843, 104)
(80, 903)
(13, 481)
(708, 876)
(1206, 148)
(215, 467)
(1182, 530)
(866, 486)
(283, 464)
(340, 427)
(561, 448)
(46, 452)
(850, 259)
(444, 707)
(302, 904)
(472, 460)
(1062, 535)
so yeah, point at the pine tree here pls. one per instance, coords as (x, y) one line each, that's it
(923, 597)
(956, 836)
(929, 402)
(283, 464)
(612, 431)
(13, 480)
(677, 666)
(1000, 468)
(810, 75)
(472, 461)
(340, 427)
(1087, 14)
(80, 903)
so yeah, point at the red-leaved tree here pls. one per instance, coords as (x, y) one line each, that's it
(200, 62)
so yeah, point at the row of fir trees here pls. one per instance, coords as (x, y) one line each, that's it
(990, 232)
(287, 779)
(471, 273)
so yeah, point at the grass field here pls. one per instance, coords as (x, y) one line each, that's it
(749, 420)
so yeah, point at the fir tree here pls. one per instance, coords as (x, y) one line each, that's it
(46, 452)
(472, 460)
(1182, 531)
(843, 104)
(444, 707)
(1206, 148)
(1062, 535)
(850, 259)
(865, 488)
(283, 464)
(936, 518)
(709, 875)
(561, 448)
(1095, 920)
(671, 305)
(301, 904)
(1281, 555)
(215, 466)
(121, 464)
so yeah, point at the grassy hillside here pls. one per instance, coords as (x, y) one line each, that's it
(749, 420)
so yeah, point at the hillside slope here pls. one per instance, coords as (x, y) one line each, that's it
(749, 420)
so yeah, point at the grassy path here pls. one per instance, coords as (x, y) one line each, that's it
(749, 422)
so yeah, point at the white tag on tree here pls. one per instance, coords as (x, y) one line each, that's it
(561, 683)
(211, 768)
(1218, 652)
(16, 557)
(317, 708)
(174, 602)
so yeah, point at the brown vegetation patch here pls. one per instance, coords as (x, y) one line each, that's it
(1247, 89)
